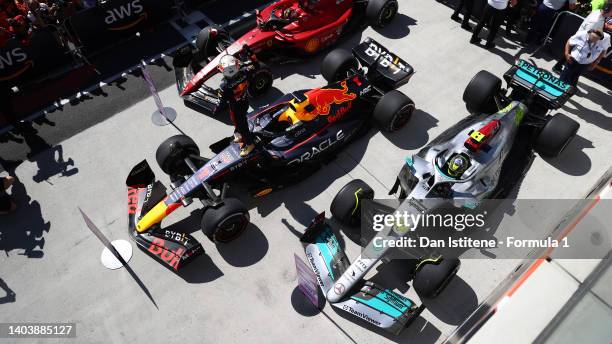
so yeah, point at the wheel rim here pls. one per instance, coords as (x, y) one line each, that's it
(230, 228)
(402, 117)
(387, 13)
(260, 84)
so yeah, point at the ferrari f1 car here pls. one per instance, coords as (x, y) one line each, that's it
(292, 136)
(463, 166)
(291, 26)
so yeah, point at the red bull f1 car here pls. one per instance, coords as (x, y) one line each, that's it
(477, 159)
(292, 136)
(301, 27)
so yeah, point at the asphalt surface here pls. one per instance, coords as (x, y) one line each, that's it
(246, 290)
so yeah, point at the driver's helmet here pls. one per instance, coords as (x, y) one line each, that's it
(229, 66)
(457, 165)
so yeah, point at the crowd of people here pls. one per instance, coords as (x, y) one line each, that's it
(19, 18)
(582, 52)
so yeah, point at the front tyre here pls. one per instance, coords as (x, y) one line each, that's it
(346, 206)
(225, 222)
(261, 82)
(207, 41)
(556, 134)
(432, 277)
(380, 13)
(393, 111)
(171, 154)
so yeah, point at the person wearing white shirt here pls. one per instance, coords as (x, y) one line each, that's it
(596, 20)
(544, 18)
(583, 51)
(494, 14)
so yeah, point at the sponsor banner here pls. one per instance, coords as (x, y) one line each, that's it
(21, 62)
(115, 20)
(499, 229)
(307, 281)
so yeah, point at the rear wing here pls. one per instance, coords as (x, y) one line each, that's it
(550, 89)
(394, 71)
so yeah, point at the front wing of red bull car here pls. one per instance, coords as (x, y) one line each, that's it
(172, 249)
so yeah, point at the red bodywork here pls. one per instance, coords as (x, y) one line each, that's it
(314, 30)
(478, 138)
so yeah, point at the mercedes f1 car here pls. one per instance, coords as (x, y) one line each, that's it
(303, 27)
(292, 136)
(463, 166)
(343, 283)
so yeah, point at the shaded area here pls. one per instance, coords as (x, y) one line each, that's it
(10, 294)
(17, 234)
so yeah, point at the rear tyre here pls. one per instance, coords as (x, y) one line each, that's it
(226, 222)
(337, 64)
(393, 111)
(261, 82)
(379, 13)
(431, 278)
(346, 206)
(171, 154)
(479, 95)
(556, 134)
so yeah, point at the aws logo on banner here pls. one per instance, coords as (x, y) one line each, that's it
(125, 12)
(14, 59)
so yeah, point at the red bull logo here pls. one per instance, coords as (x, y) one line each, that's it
(323, 98)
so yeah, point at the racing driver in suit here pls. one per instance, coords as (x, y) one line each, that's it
(233, 91)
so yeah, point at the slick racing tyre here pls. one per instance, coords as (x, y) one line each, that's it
(479, 95)
(226, 222)
(261, 82)
(337, 64)
(183, 56)
(379, 13)
(556, 134)
(393, 111)
(431, 278)
(171, 155)
(206, 42)
(346, 206)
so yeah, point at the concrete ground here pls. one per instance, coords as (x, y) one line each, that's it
(246, 291)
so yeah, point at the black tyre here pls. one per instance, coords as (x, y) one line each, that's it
(337, 64)
(171, 154)
(393, 111)
(431, 278)
(379, 13)
(206, 43)
(262, 81)
(556, 134)
(479, 95)
(183, 56)
(226, 222)
(346, 206)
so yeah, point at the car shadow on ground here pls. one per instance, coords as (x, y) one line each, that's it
(248, 249)
(398, 28)
(573, 160)
(251, 247)
(201, 270)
